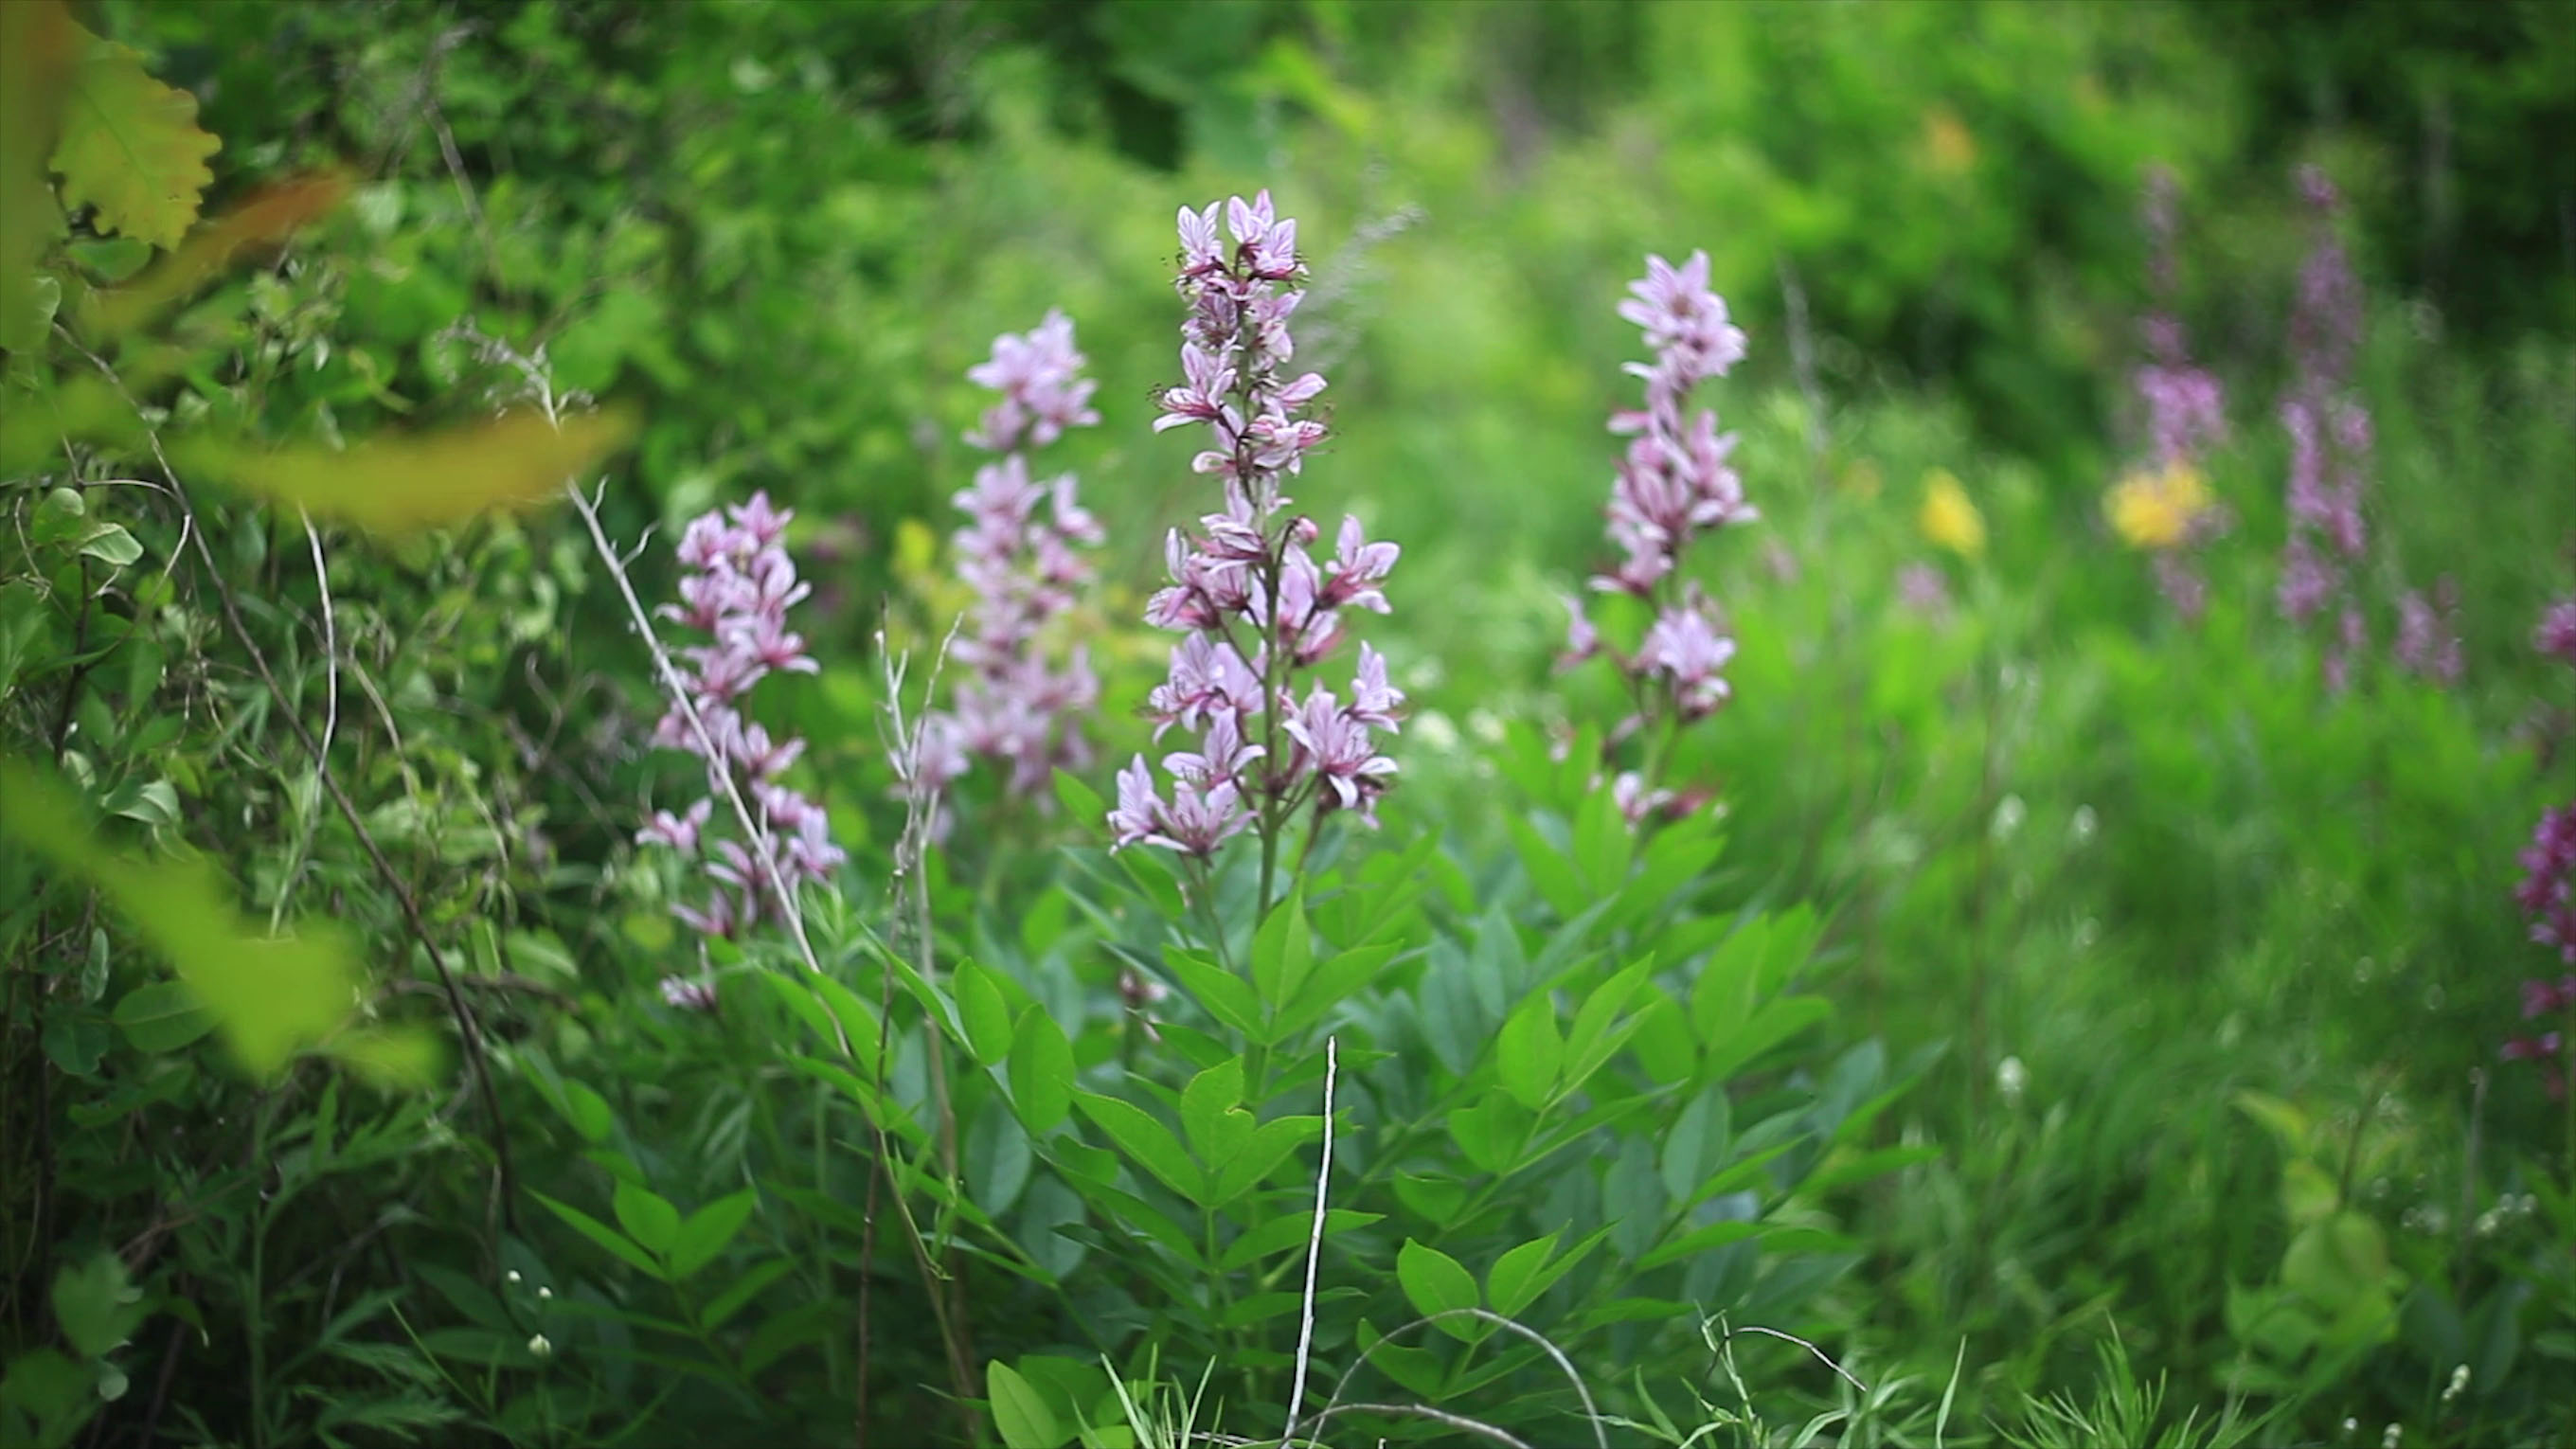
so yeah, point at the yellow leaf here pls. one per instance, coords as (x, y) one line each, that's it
(37, 41)
(396, 485)
(130, 147)
(270, 216)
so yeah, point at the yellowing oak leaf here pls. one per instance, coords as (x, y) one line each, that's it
(131, 147)
(398, 484)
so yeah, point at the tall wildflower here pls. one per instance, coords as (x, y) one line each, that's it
(2547, 895)
(736, 592)
(1675, 482)
(2165, 507)
(1256, 612)
(2428, 632)
(1017, 552)
(2330, 440)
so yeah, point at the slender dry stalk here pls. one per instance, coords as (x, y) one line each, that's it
(1314, 1247)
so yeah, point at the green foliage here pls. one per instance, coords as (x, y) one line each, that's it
(2080, 1026)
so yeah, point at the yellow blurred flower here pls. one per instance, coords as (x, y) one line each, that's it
(1948, 519)
(2155, 508)
(1949, 148)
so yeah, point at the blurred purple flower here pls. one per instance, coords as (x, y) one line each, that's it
(2547, 893)
(1017, 552)
(2330, 438)
(739, 587)
(2556, 634)
(2428, 633)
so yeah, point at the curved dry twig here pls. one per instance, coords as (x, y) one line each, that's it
(1591, 1411)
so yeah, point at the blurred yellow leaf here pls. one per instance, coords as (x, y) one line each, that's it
(270, 997)
(395, 485)
(37, 42)
(130, 146)
(1949, 148)
(1948, 519)
(268, 217)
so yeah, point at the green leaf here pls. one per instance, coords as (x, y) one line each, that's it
(1550, 872)
(1512, 1283)
(131, 147)
(1020, 1413)
(1435, 1283)
(588, 1112)
(1220, 993)
(1776, 1022)
(1604, 844)
(1042, 1071)
(709, 1231)
(647, 1217)
(1278, 1232)
(162, 1017)
(1528, 1054)
(1146, 1141)
(1212, 1115)
(1701, 1240)
(1079, 800)
(1270, 1144)
(96, 1304)
(997, 1160)
(397, 485)
(1331, 984)
(603, 1235)
(111, 545)
(983, 1011)
(735, 1298)
(1282, 951)
(1696, 1144)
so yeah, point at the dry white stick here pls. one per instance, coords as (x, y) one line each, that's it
(330, 636)
(1314, 1248)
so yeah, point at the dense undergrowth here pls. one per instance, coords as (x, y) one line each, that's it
(1965, 934)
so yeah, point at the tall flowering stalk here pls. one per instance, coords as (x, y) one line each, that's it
(2330, 441)
(2547, 896)
(1255, 611)
(2165, 506)
(737, 591)
(1675, 482)
(1017, 552)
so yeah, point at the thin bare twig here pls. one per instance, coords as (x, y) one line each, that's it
(1477, 1427)
(1727, 1330)
(1314, 1247)
(1564, 1365)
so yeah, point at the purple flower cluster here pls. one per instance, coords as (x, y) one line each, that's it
(2428, 632)
(738, 588)
(2556, 634)
(1254, 607)
(2547, 894)
(1017, 553)
(2186, 410)
(2330, 440)
(2544, 999)
(1675, 482)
